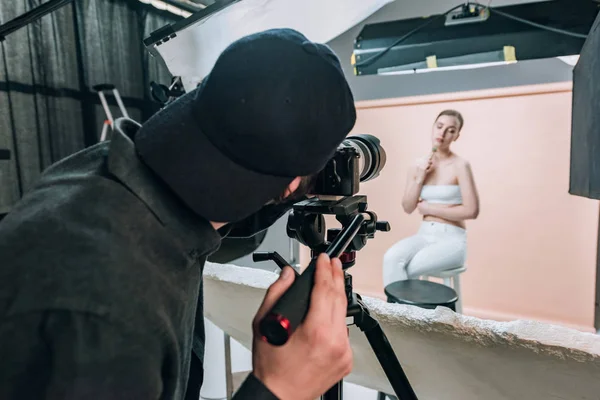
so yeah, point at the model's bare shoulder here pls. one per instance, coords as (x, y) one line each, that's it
(461, 164)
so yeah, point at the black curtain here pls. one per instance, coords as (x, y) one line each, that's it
(48, 108)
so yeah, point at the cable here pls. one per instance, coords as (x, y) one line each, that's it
(377, 56)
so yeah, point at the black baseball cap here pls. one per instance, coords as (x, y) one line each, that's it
(275, 106)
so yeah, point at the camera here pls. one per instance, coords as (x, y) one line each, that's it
(359, 158)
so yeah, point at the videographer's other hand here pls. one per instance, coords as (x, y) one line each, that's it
(318, 354)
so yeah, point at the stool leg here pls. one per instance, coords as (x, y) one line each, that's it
(457, 289)
(448, 282)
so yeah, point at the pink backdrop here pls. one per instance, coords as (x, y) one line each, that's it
(532, 251)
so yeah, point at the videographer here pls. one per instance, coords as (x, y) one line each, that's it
(101, 278)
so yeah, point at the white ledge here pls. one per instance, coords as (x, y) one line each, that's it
(445, 355)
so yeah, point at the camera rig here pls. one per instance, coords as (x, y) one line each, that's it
(306, 223)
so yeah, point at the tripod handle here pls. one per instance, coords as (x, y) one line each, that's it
(290, 310)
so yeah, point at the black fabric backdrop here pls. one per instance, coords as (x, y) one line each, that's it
(585, 126)
(48, 109)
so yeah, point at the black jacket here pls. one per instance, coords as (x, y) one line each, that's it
(101, 284)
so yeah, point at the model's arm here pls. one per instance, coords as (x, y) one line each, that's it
(414, 184)
(470, 207)
(412, 191)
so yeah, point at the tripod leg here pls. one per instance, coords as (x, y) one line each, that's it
(381, 347)
(390, 364)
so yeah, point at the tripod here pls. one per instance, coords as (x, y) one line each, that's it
(380, 346)
(344, 243)
(377, 339)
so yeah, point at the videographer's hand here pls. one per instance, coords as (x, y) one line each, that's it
(318, 354)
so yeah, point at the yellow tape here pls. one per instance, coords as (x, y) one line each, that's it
(510, 53)
(432, 62)
(353, 59)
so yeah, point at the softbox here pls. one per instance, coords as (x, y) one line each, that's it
(190, 47)
(585, 125)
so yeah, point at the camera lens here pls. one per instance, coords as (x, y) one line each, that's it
(372, 155)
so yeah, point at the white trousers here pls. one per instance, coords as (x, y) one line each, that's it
(436, 247)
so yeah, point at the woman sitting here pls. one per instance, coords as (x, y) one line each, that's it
(442, 188)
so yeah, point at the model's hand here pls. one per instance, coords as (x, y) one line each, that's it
(318, 354)
(423, 167)
(424, 208)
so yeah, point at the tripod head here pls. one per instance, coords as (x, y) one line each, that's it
(306, 223)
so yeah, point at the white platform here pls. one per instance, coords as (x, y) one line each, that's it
(445, 355)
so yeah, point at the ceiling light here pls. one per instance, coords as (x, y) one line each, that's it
(542, 30)
(470, 61)
(451, 68)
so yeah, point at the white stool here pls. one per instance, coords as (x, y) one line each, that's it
(451, 278)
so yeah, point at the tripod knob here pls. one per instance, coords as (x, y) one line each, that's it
(261, 256)
(383, 226)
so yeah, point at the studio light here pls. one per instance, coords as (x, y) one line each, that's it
(472, 35)
(471, 61)
(190, 47)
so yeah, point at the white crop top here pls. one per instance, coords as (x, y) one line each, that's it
(441, 194)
